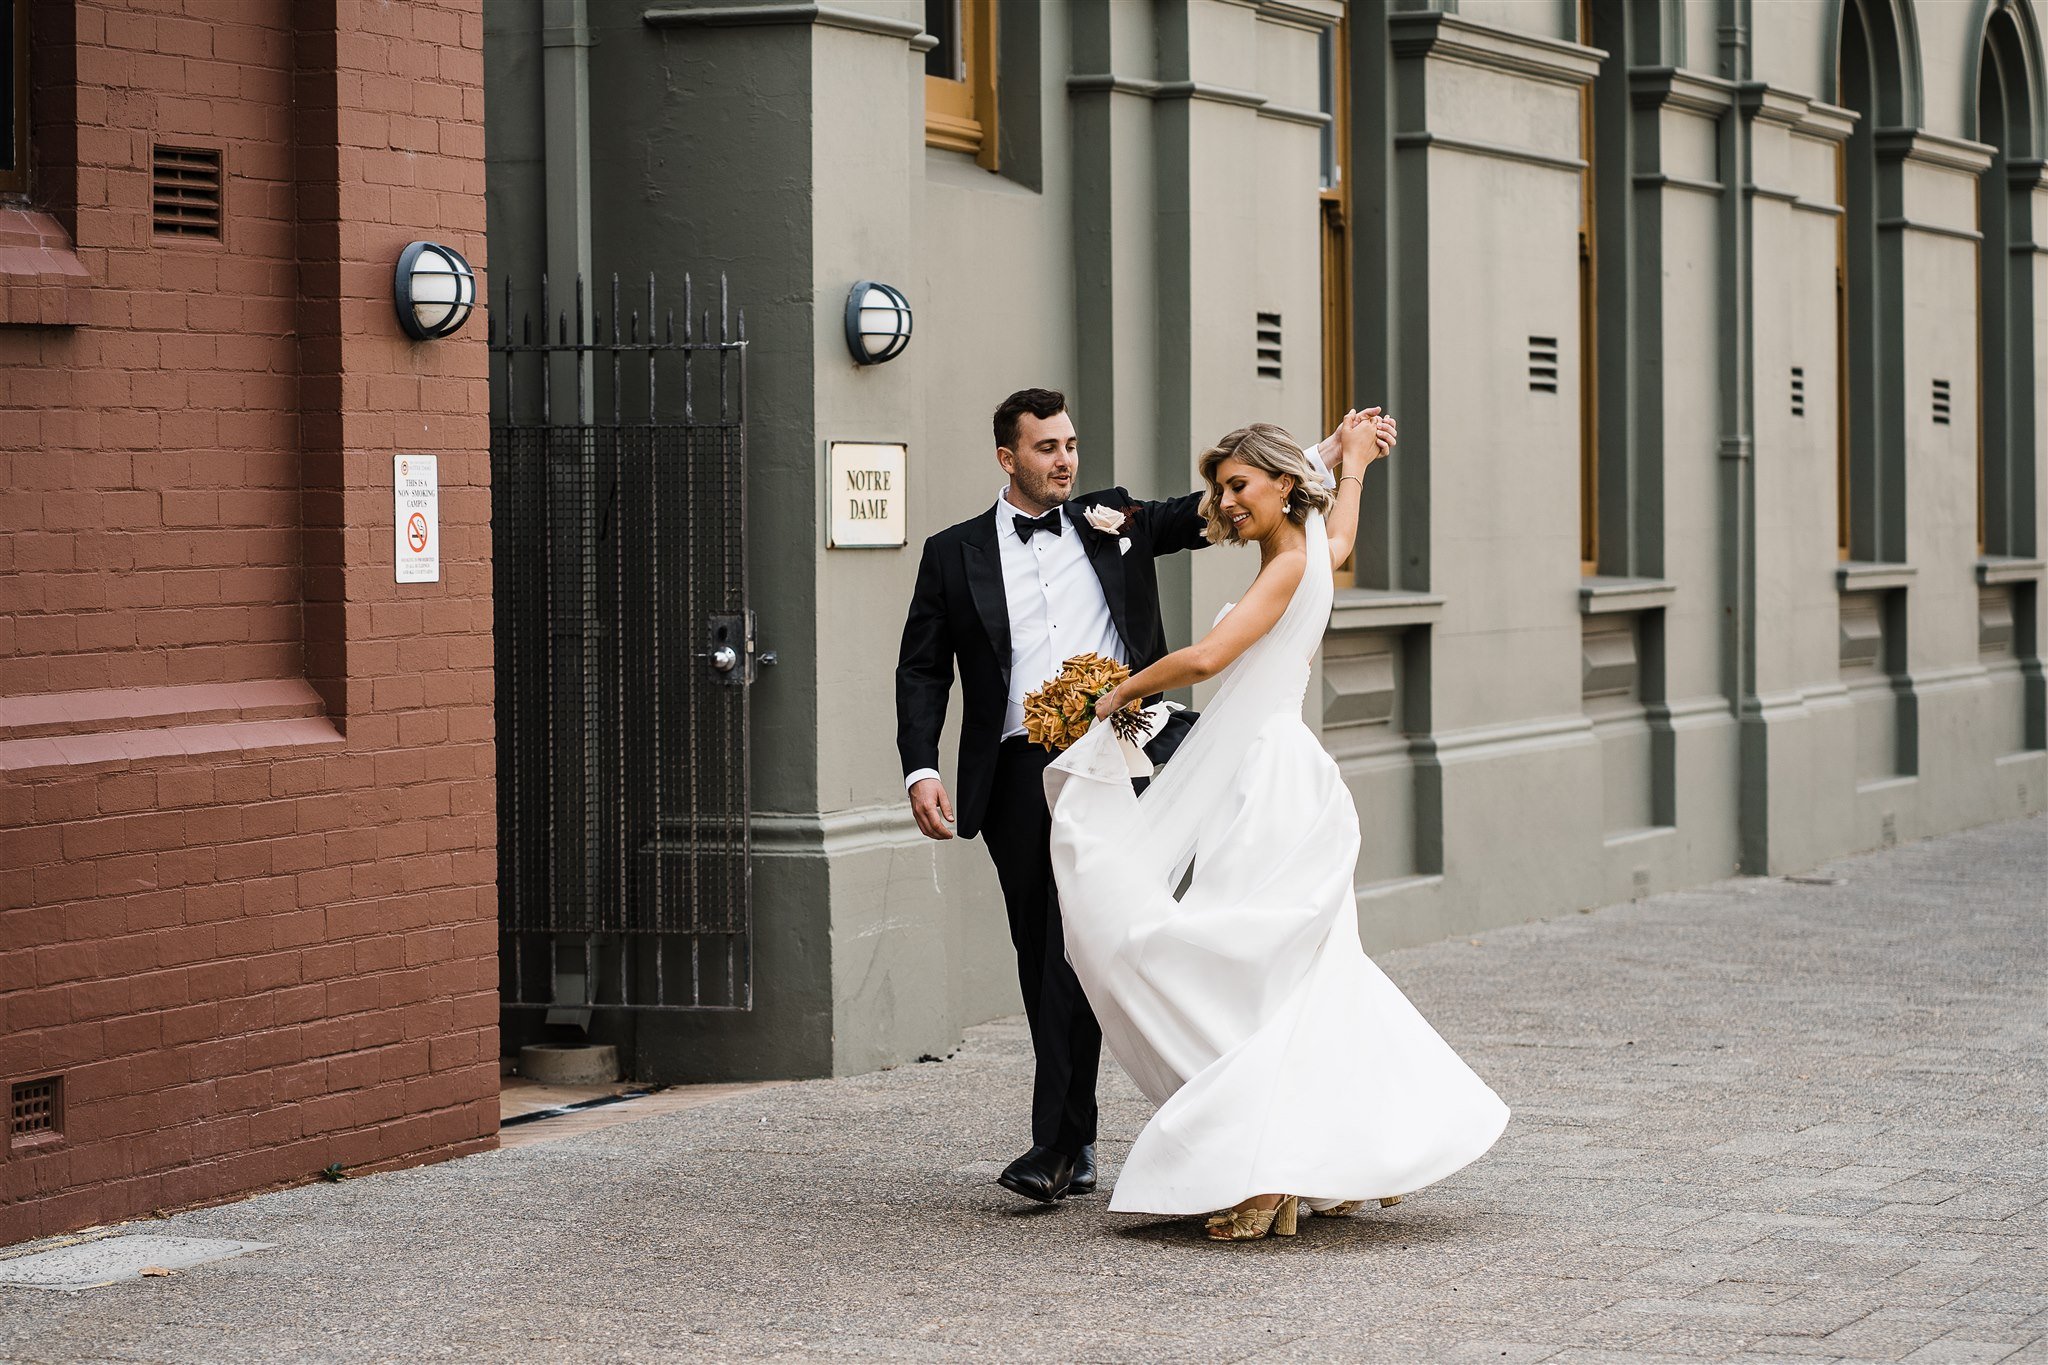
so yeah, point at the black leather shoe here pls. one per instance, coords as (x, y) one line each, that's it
(1041, 1174)
(1084, 1172)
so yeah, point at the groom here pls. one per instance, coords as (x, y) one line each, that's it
(1007, 597)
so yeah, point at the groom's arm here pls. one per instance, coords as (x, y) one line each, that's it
(1176, 524)
(924, 671)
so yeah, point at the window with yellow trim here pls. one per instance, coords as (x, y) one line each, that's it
(1842, 419)
(960, 78)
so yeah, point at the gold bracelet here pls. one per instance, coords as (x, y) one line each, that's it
(1355, 479)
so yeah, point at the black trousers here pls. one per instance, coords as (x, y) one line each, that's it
(1066, 1042)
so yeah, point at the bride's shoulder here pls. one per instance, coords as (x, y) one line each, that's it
(1291, 562)
(1285, 569)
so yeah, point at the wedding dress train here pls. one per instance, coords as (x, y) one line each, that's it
(1282, 1060)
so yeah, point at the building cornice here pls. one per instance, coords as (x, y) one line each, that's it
(1212, 94)
(1311, 15)
(1668, 87)
(1109, 82)
(1918, 147)
(1433, 33)
(1799, 113)
(1660, 180)
(756, 16)
(1314, 118)
(1961, 234)
(1498, 151)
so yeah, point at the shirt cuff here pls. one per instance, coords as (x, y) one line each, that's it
(920, 775)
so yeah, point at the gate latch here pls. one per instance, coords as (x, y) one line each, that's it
(731, 649)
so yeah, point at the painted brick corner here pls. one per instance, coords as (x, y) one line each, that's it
(247, 812)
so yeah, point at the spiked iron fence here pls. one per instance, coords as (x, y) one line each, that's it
(625, 652)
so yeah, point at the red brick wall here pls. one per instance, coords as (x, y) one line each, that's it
(247, 813)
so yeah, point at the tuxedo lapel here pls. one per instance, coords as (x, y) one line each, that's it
(1106, 557)
(983, 561)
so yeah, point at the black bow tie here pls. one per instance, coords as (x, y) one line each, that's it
(1049, 522)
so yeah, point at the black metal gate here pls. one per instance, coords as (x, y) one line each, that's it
(625, 652)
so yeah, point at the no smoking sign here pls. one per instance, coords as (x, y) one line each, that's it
(416, 517)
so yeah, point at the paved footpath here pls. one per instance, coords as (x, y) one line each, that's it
(1765, 1120)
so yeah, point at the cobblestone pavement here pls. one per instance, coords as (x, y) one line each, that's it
(1765, 1120)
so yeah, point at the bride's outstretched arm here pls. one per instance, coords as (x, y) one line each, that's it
(1239, 629)
(1362, 437)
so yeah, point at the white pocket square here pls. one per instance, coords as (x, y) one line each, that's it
(1123, 545)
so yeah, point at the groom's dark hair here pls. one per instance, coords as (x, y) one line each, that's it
(1040, 403)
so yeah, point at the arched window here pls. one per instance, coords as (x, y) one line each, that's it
(2007, 80)
(1620, 303)
(1877, 80)
(1592, 120)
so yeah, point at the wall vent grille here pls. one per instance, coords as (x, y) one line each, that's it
(1941, 402)
(185, 191)
(1269, 345)
(37, 1109)
(1798, 391)
(1543, 364)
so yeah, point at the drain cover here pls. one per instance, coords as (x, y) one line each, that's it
(88, 1265)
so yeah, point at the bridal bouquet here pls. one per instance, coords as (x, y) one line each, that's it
(1060, 712)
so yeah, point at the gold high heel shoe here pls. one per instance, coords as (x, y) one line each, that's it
(1351, 1206)
(1248, 1225)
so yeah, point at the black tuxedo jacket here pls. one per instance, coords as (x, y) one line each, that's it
(960, 616)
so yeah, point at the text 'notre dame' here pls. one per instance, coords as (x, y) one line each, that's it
(868, 482)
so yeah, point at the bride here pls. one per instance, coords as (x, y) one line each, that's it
(1288, 1070)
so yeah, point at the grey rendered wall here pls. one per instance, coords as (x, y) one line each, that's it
(916, 955)
(1520, 740)
(1728, 698)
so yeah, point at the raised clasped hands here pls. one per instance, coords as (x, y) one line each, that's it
(1365, 436)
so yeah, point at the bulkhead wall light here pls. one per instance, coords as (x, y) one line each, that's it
(435, 290)
(877, 322)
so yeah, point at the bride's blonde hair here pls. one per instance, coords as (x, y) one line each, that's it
(1261, 446)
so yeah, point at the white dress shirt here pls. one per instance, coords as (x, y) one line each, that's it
(1057, 610)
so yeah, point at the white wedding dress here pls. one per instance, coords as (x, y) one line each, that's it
(1282, 1060)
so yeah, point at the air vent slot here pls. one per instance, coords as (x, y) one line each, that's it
(1798, 391)
(38, 1110)
(1269, 345)
(1543, 364)
(185, 191)
(1941, 402)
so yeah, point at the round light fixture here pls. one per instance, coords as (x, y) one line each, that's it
(877, 322)
(435, 290)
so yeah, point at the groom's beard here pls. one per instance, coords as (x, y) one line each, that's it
(1042, 490)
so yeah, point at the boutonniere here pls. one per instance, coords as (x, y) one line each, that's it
(1114, 522)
